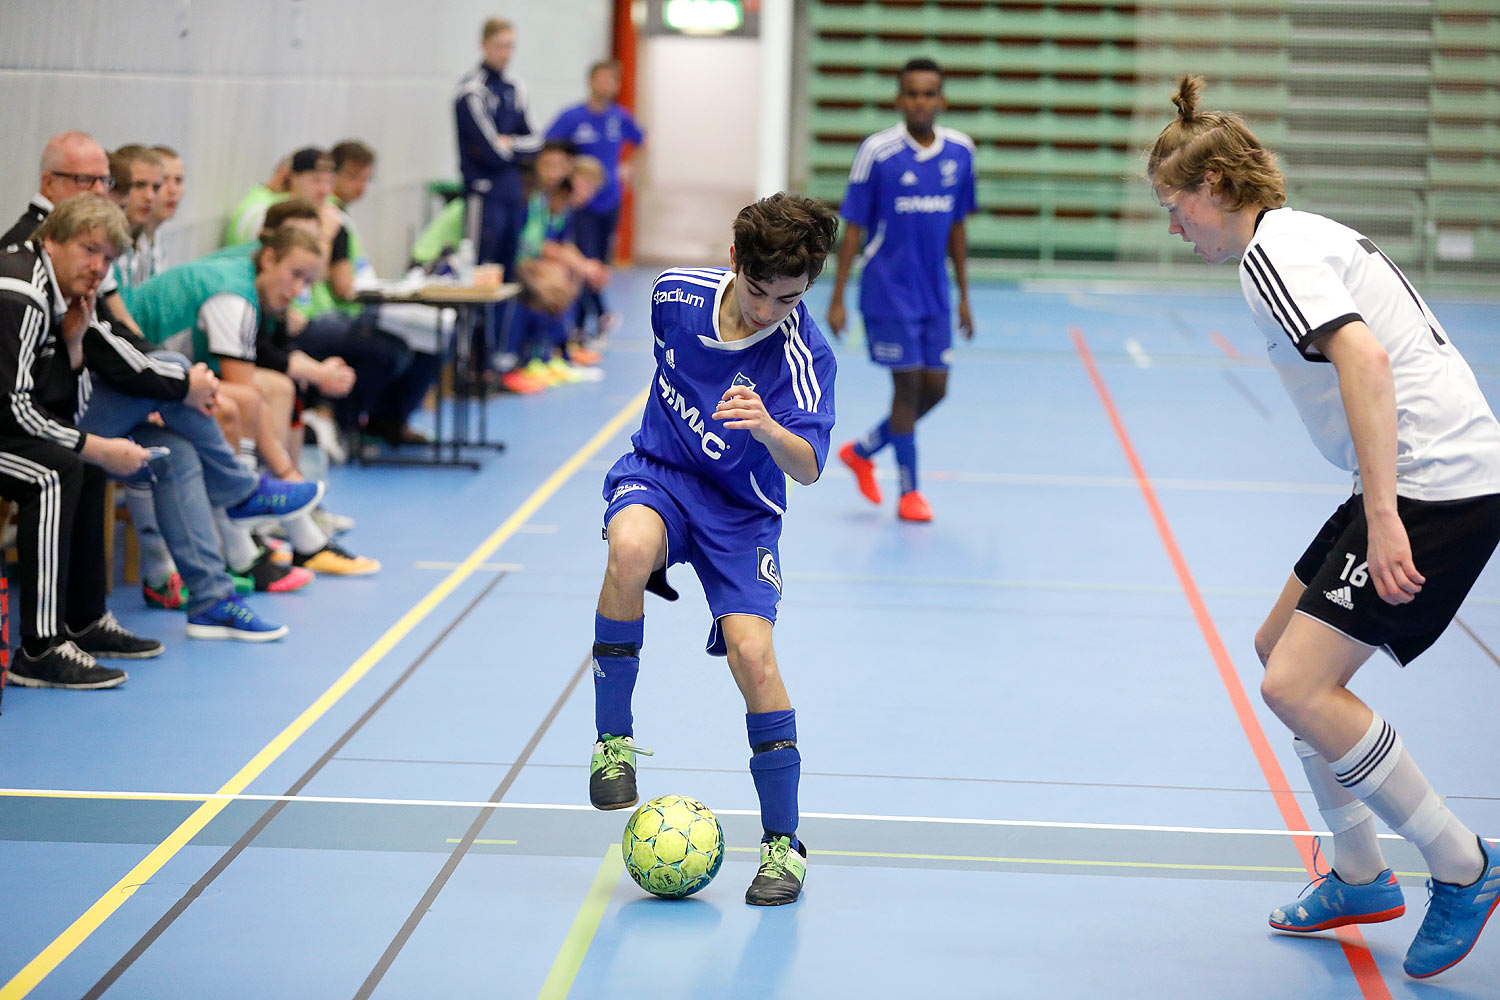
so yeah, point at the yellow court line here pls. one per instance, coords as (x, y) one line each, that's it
(65, 943)
(576, 945)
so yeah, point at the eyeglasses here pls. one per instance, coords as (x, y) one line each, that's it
(86, 180)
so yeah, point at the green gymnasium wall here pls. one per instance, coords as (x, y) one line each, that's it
(1386, 116)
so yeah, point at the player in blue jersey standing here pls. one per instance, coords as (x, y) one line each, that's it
(600, 127)
(909, 191)
(742, 398)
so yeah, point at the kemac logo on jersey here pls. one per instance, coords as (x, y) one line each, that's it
(677, 295)
(924, 204)
(766, 568)
(713, 446)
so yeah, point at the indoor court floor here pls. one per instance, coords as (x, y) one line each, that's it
(1036, 763)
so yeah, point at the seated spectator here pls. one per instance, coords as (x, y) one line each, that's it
(337, 325)
(54, 470)
(547, 237)
(72, 163)
(209, 310)
(246, 218)
(137, 174)
(164, 209)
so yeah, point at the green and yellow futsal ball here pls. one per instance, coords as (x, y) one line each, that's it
(673, 846)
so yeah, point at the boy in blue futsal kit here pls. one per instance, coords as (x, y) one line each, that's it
(909, 190)
(742, 398)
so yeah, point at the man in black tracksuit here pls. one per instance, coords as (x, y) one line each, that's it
(51, 346)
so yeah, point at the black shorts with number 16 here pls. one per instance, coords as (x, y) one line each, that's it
(1451, 540)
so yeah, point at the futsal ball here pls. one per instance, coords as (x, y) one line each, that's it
(673, 846)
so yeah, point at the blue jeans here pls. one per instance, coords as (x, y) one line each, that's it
(200, 473)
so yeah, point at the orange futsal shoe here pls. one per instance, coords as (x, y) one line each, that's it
(864, 472)
(913, 507)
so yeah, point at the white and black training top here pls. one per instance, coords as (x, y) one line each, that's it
(1304, 277)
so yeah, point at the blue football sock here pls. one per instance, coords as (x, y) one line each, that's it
(906, 459)
(878, 438)
(617, 659)
(776, 768)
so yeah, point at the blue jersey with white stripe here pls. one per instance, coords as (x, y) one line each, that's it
(789, 366)
(908, 197)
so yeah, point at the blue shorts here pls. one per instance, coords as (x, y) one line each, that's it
(906, 344)
(733, 549)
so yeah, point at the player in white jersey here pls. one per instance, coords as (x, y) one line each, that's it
(1385, 394)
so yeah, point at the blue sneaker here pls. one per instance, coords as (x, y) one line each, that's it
(276, 498)
(1336, 903)
(1455, 916)
(232, 619)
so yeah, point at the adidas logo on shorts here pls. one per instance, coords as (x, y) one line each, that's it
(1343, 597)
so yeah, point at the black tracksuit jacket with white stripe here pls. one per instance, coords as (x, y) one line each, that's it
(42, 396)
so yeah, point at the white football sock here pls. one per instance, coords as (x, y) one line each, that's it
(1355, 853)
(1379, 772)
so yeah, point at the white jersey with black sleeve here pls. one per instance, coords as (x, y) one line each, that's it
(1305, 276)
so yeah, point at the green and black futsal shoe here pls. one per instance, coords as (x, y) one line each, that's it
(612, 772)
(782, 872)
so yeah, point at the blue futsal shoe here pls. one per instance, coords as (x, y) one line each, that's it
(1336, 903)
(1455, 916)
(275, 498)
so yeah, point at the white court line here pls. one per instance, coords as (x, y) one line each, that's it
(1123, 482)
(63, 793)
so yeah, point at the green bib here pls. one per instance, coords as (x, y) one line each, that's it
(169, 303)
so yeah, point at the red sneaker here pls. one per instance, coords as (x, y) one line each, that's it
(518, 381)
(913, 507)
(864, 472)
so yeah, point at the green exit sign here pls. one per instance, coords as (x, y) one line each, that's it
(703, 17)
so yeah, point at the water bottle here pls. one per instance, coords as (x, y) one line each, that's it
(463, 261)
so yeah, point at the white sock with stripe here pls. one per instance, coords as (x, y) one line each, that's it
(1355, 853)
(1379, 772)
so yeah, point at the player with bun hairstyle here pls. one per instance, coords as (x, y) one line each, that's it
(741, 399)
(1385, 394)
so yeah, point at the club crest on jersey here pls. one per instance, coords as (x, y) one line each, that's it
(740, 379)
(671, 358)
(949, 170)
(908, 178)
(766, 568)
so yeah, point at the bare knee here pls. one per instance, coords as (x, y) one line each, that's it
(1284, 691)
(632, 559)
(751, 657)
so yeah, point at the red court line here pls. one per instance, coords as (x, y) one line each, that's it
(1361, 963)
(1222, 342)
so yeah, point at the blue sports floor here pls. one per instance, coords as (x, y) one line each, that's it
(1035, 761)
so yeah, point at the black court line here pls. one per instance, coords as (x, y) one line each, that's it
(1250, 397)
(180, 907)
(467, 841)
(1478, 641)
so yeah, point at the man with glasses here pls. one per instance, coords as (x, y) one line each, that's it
(72, 163)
